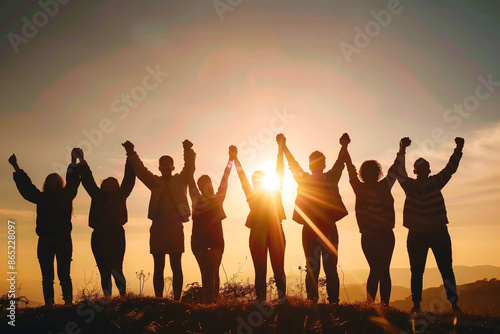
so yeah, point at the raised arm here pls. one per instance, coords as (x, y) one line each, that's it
(189, 161)
(345, 157)
(221, 192)
(247, 188)
(88, 180)
(26, 188)
(334, 174)
(280, 164)
(398, 170)
(194, 193)
(13, 162)
(84, 172)
(140, 170)
(451, 167)
(128, 181)
(72, 173)
(297, 172)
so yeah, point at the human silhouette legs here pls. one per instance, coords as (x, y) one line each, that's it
(117, 253)
(64, 252)
(99, 244)
(216, 263)
(177, 276)
(330, 260)
(45, 254)
(258, 250)
(418, 247)
(209, 262)
(312, 252)
(158, 278)
(276, 243)
(316, 250)
(378, 247)
(60, 247)
(441, 247)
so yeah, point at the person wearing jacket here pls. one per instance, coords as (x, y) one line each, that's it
(425, 217)
(108, 214)
(54, 207)
(207, 240)
(168, 209)
(264, 222)
(318, 207)
(376, 218)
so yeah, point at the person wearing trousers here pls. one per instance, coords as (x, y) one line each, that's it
(54, 207)
(264, 221)
(108, 214)
(207, 240)
(318, 207)
(425, 217)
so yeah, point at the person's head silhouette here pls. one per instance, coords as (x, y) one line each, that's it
(421, 168)
(53, 182)
(370, 171)
(317, 162)
(258, 179)
(205, 186)
(166, 165)
(110, 184)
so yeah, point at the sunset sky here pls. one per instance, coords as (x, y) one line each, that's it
(221, 73)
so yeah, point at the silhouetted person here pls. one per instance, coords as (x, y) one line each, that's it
(168, 209)
(425, 217)
(207, 240)
(108, 214)
(318, 207)
(264, 221)
(375, 217)
(54, 207)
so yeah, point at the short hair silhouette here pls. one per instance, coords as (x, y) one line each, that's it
(317, 161)
(370, 170)
(257, 177)
(166, 159)
(421, 166)
(421, 162)
(53, 182)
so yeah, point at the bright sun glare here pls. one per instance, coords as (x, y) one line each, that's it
(270, 181)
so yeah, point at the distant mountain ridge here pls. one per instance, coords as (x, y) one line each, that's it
(481, 297)
(432, 277)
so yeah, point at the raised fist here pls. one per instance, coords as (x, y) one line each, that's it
(187, 144)
(13, 160)
(459, 141)
(129, 147)
(78, 153)
(281, 139)
(405, 142)
(344, 140)
(75, 154)
(233, 152)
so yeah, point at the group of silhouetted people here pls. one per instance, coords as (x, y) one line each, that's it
(318, 207)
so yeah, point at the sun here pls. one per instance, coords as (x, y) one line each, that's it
(270, 181)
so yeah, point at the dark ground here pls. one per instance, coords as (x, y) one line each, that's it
(151, 315)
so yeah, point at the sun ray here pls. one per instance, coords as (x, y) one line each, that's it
(316, 230)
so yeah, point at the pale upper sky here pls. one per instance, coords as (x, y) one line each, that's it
(156, 72)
